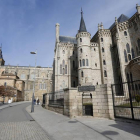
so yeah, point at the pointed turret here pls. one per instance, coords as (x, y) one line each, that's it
(2, 62)
(82, 24)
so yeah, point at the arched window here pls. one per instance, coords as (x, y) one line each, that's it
(128, 79)
(63, 52)
(83, 62)
(80, 63)
(80, 39)
(73, 64)
(81, 50)
(128, 48)
(104, 62)
(82, 74)
(137, 50)
(125, 56)
(105, 73)
(133, 54)
(102, 40)
(63, 63)
(86, 62)
(138, 43)
(96, 64)
(125, 33)
(103, 49)
(129, 57)
(65, 69)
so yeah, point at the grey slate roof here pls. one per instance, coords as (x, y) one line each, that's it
(122, 18)
(66, 39)
(82, 24)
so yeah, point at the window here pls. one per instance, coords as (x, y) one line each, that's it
(104, 62)
(73, 64)
(80, 63)
(128, 48)
(73, 52)
(136, 87)
(96, 64)
(83, 62)
(133, 54)
(63, 63)
(74, 84)
(42, 86)
(22, 76)
(63, 52)
(125, 56)
(32, 76)
(137, 50)
(129, 57)
(131, 77)
(94, 49)
(128, 79)
(86, 62)
(80, 39)
(105, 73)
(82, 74)
(81, 50)
(101, 39)
(125, 33)
(65, 69)
(60, 69)
(138, 43)
(103, 49)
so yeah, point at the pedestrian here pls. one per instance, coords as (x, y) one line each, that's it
(38, 102)
(34, 101)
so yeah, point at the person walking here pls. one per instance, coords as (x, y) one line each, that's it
(38, 102)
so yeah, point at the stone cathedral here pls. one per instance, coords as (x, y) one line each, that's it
(110, 56)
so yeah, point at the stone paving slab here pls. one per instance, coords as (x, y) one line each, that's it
(60, 127)
(22, 131)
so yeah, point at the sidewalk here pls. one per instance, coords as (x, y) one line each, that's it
(12, 104)
(60, 127)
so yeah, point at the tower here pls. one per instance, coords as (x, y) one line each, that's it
(2, 62)
(84, 54)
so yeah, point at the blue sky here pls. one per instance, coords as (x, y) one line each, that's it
(27, 25)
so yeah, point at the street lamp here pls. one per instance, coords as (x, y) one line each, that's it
(32, 106)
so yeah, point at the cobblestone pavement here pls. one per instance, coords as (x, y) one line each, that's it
(22, 131)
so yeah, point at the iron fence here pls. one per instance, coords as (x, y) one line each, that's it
(126, 100)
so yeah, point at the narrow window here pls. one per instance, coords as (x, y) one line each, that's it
(137, 50)
(80, 63)
(128, 79)
(101, 39)
(128, 48)
(138, 43)
(94, 49)
(125, 56)
(83, 62)
(104, 62)
(82, 74)
(133, 54)
(96, 64)
(86, 62)
(136, 87)
(63, 52)
(131, 77)
(60, 69)
(80, 39)
(105, 73)
(63, 63)
(74, 84)
(73, 52)
(65, 69)
(73, 64)
(129, 57)
(81, 50)
(125, 33)
(103, 49)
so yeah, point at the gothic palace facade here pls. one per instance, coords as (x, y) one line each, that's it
(110, 56)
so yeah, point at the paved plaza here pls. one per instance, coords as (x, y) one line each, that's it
(17, 124)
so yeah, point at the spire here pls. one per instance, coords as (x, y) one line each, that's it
(82, 24)
(1, 52)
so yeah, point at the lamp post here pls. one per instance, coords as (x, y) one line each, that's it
(32, 106)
